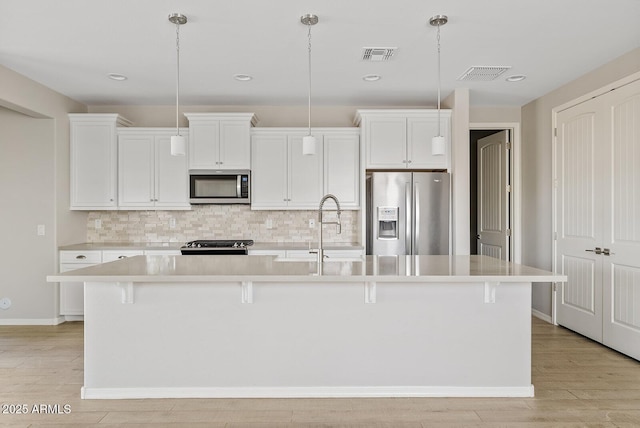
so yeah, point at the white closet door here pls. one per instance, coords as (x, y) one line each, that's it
(579, 218)
(621, 269)
(492, 196)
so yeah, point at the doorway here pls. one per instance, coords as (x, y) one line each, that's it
(492, 191)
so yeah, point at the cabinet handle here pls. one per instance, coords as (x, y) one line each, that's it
(122, 257)
(81, 257)
(408, 161)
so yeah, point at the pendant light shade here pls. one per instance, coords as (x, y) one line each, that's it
(178, 145)
(178, 142)
(438, 143)
(308, 145)
(309, 141)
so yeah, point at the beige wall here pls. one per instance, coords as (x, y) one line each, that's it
(27, 192)
(495, 114)
(537, 168)
(35, 135)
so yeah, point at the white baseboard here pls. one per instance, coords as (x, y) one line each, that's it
(542, 316)
(32, 321)
(307, 392)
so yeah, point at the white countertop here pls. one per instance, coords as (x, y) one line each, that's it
(100, 246)
(224, 268)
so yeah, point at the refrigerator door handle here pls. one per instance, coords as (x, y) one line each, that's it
(416, 224)
(407, 223)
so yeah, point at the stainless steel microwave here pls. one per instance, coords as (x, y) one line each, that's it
(219, 186)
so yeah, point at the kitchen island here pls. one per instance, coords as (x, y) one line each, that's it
(254, 326)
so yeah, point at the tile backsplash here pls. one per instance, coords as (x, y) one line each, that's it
(217, 222)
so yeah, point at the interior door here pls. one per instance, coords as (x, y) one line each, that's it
(579, 218)
(493, 208)
(621, 264)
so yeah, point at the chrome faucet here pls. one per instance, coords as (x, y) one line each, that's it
(320, 250)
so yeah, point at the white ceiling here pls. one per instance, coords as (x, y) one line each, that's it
(71, 46)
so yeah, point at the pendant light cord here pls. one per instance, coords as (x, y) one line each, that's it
(439, 83)
(177, 77)
(309, 108)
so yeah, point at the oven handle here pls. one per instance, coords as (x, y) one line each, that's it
(239, 186)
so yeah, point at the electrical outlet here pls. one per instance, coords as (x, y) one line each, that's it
(312, 223)
(97, 223)
(172, 223)
(40, 230)
(5, 303)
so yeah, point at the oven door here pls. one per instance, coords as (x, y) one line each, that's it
(219, 187)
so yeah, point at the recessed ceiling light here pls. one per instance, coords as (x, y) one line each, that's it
(117, 76)
(242, 77)
(371, 77)
(516, 78)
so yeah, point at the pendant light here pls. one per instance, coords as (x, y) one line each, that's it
(309, 141)
(438, 143)
(178, 142)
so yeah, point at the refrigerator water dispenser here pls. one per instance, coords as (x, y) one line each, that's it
(387, 222)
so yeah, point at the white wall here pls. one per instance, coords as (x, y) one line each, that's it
(536, 166)
(34, 188)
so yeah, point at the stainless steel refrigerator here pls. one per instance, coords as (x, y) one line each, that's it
(408, 213)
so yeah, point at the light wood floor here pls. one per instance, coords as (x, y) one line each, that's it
(578, 383)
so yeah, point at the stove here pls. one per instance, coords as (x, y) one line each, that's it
(216, 246)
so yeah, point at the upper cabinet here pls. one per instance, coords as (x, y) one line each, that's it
(402, 138)
(148, 176)
(93, 149)
(220, 140)
(283, 178)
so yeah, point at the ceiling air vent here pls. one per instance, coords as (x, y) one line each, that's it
(483, 73)
(378, 54)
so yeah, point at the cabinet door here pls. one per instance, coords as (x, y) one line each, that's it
(93, 165)
(386, 142)
(305, 174)
(171, 176)
(136, 171)
(341, 168)
(235, 145)
(269, 171)
(420, 131)
(204, 143)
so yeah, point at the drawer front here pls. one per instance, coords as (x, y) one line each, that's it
(88, 257)
(301, 254)
(278, 253)
(344, 254)
(111, 255)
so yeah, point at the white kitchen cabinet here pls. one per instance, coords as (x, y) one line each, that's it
(402, 138)
(284, 178)
(72, 293)
(220, 140)
(305, 173)
(342, 167)
(93, 160)
(149, 177)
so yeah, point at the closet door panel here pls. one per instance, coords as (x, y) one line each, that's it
(579, 303)
(621, 197)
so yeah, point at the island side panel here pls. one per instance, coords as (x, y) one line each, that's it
(306, 339)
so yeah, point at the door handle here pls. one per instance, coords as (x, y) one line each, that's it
(478, 236)
(607, 252)
(597, 250)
